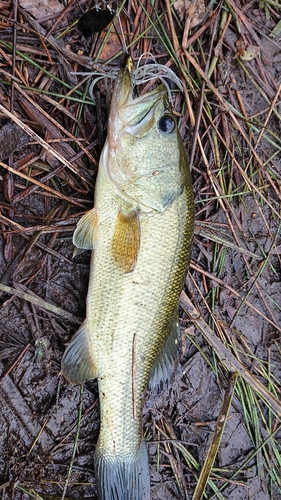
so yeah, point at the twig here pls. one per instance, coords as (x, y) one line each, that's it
(15, 362)
(40, 303)
(216, 439)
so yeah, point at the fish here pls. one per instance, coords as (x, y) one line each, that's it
(140, 233)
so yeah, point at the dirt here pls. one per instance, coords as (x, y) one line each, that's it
(39, 409)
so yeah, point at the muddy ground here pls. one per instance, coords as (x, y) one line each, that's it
(236, 292)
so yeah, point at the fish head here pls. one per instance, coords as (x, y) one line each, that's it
(146, 158)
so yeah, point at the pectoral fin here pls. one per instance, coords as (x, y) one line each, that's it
(126, 241)
(85, 234)
(77, 363)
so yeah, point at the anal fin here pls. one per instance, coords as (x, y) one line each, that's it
(77, 363)
(126, 241)
(164, 365)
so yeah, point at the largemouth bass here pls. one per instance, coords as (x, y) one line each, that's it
(140, 230)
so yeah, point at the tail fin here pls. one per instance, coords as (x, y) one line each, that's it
(123, 478)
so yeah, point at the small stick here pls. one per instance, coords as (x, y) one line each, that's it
(37, 437)
(189, 15)
(172, 27)
(218, 432)
(37, 301)
(13, 364)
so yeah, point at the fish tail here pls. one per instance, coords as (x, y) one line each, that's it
(119, 478)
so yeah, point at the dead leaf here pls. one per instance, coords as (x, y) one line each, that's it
(248, 54)
(276, 31)
(41, 9)
(112, 44)
(192, 11)
(11, 138)
(240, 46)
(251, 52)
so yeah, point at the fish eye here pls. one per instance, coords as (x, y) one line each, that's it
(166, 124)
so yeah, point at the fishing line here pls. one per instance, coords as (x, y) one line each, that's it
(142, 73)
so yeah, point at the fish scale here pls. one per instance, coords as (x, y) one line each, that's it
(140, 230)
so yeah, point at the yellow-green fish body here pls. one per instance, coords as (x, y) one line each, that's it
(141, 230)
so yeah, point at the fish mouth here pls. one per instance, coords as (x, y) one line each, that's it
(125, 109)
